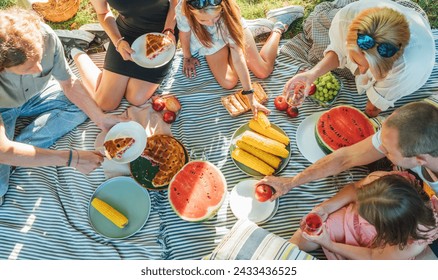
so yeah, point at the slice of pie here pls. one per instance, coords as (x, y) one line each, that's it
(156, 44)
(115, 148)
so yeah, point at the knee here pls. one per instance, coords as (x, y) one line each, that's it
(139, 98)
(263, 73)
(107, 105)
(228, 84)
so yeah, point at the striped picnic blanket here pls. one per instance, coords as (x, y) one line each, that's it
(45, 212)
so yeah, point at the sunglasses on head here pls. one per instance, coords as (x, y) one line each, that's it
(200, 4)
(366, 42)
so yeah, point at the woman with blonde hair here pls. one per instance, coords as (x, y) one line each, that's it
(215, 29)
(389, 48)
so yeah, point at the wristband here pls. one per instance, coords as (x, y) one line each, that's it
(118, 43)
(168, 29)
(246, 92)
(70, 156)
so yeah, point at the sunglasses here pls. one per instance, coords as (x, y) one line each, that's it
(201, 4)
(366, 42)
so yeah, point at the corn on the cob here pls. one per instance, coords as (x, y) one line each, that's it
(264, 143)
(262, 120)
(269, 132)
(109, 212)
(251, 161)
(270, 159)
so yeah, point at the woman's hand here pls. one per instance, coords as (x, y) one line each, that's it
(189, 66)
(256, 106)
(305, 78)
(125, 50)
(87, 161)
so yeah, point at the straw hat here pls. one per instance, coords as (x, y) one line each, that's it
(57, 10)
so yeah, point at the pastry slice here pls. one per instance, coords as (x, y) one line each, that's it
(156, 44)
(115, 148)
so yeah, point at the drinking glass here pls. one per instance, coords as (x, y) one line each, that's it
(311, 224)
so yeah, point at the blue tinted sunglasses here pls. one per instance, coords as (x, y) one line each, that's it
(366, 42)
(200, 4)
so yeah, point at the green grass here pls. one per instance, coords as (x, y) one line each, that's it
(251, 9)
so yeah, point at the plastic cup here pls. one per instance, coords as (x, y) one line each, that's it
(311, 224)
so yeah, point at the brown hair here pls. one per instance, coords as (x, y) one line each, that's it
(230, 16)
(384, 25)
(396, 207)
(20, 36)
(417, 126)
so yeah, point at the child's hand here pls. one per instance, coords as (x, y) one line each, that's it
(321, 211)
(322, 239)
(189, 66)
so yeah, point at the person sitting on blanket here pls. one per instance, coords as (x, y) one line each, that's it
(388, 47)
(35, 81)
(121, 76)
(408, 138)
(215, 29)
(387, 215)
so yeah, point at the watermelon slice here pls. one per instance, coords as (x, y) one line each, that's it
(197, 191)
(342, 126)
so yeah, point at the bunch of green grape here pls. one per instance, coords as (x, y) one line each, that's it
(327, 87)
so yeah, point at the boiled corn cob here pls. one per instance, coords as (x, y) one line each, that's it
(270, 159)
(109, 212)
(264, 143)
(269, 132)
(262, 120)
(252, 162)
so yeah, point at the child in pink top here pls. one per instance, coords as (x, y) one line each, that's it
(384, 216)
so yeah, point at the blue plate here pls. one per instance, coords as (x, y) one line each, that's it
(129, 198)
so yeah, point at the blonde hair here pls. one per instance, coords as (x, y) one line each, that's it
(230, 16)
(384, 25)
(20, 37)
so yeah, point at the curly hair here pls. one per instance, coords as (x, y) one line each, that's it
(20, 36)
(230, 15)
(385, 25)
(396, 207)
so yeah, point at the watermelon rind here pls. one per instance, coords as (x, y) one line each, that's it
(211, 210)
(369, 130)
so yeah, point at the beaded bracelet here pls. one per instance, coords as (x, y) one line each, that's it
(70, 156)
(118, 43)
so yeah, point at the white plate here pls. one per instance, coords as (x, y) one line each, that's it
(129, 198)
(249, 171)
(244, 205)
(306, 140)
(140, 58)
(129, 129)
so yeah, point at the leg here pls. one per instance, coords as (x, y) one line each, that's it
(56, 117)
(223, 72)
(261, 64)
(9, 117)
(302, 243)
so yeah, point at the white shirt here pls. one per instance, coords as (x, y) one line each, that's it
(410, 71)
(377, 142)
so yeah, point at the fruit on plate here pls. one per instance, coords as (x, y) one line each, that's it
(280, 103)
(292, 112)
(172, 104)
(342, 126)
(263, 192)
(327, 87)
(158, 104)
(197, 191)
(169, 116)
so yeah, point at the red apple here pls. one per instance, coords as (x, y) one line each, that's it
(158, 104)
(312, 89)
(263, 192)
(292, 112)
(169, 116)
(280, 103)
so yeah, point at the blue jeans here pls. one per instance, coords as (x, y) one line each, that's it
(55, 116)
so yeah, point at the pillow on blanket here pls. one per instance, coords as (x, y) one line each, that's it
(247, 241)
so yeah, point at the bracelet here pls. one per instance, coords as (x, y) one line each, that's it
(246, 92)
(168, 29)
(118, 43)
(70, 156)
(77, 160)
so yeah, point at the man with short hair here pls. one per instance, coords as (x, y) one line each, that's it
(36, 81)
